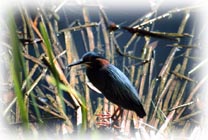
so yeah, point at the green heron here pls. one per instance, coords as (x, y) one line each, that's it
(113, 83)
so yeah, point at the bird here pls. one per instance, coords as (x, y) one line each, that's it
(112, 82)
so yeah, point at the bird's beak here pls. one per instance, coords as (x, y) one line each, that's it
(75, 63)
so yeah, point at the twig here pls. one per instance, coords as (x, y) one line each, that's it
(191, 94)
(181, 106)
(183, 76)
(168, 97)
(145, 68)
(89, 31)
(34, 84)
(186, 117)
(149, 97)
(165, 124)
(88, 102)
(168, 14)
(34, 59)
(60, 6)
(198, 66)
(118, 50)
(164, 91)
(182, 46)
(31, 32)
(80, 27)
(174, 50)
(106, 35)
(49, 111)
(167, 62)
(128, 123)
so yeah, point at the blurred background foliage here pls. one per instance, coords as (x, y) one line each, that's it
(158, 47)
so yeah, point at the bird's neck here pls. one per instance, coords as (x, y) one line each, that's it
(103, 62)
(98, 64)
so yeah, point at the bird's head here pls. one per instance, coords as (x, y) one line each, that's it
(91, 59)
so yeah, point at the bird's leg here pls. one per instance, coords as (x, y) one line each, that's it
(108, 120)
(115, 117)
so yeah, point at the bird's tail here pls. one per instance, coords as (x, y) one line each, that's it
(141, 112)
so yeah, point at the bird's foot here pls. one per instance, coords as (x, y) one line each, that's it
(104, 119)
(108, 120)
(104, 116)
(108, 124)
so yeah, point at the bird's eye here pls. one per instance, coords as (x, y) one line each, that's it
(88, 62)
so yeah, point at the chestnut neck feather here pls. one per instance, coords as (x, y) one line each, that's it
(98, 63)
(103, 61)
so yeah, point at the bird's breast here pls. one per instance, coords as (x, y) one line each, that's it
(97, 77)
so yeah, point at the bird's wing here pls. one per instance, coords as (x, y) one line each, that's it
(123, 90)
